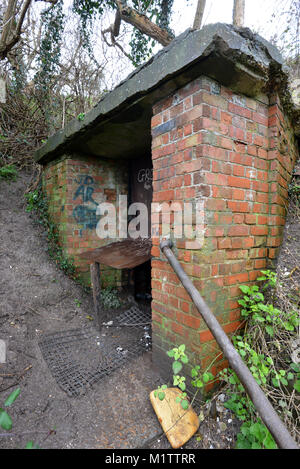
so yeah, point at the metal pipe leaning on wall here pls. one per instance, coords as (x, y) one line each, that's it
(267, 413)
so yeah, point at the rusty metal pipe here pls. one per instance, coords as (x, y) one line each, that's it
(268, 415)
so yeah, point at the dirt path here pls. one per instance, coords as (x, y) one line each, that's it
(37, 298)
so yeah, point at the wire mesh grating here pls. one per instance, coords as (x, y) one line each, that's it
(79, 358)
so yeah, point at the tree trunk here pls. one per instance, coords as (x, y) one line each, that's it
(199, 14)
(11, 36)
(12, 25)
(9, 22)
(143, 24)
(239, 13)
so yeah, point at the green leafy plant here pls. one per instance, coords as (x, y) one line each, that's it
(159, 392)
(294, 191)
(295, 367)
(32, 445)
(182, 400)
(269, 277)
(255, 436)
(32, 200)
(9, 172)
(260, 348)
(110, 298)
(180, 358)
(253, 433)
(37, 203)
(256, 309)
(5, 419)
(199, 379)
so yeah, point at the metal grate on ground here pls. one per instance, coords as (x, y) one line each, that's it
(79, 358)
(133, 317)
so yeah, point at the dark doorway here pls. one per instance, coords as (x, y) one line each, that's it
(141, 190)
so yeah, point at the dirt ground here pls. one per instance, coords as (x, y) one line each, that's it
(36, 298)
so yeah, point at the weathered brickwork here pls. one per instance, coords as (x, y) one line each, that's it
(74, 187)
(282, 158)
(236, 154)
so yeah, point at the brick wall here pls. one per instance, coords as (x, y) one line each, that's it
(75, 186)
(236, 154)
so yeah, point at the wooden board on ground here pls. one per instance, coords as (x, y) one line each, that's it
(178, 424)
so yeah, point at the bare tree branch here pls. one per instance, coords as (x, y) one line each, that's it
(12, 28)
(143, 24)
(113, 43)
(117, 24)
(138, 20)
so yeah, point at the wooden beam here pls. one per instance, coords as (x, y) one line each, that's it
(96, 286)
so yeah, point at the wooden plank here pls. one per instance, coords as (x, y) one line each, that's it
(95, 279)
(125, 254)
(178, 424)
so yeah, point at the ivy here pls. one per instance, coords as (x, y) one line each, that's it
(37, 202)
(158, 11)
(52, 29)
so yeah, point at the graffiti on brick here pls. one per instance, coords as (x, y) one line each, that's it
(85, 213)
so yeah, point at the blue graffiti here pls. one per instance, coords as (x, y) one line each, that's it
(85, 189)
(85, 215)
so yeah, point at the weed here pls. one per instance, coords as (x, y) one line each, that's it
(110, 299)
(5, 419)
(37, 202)
(264, 349)
(199, 379)
(294, 190)
(81, 116)
(9, 172)
(258, 311)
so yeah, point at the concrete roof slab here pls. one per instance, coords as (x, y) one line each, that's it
(119, 125)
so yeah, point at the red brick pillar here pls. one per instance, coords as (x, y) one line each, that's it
(213, 145)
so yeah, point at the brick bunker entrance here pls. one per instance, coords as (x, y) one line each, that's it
(213, 119)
